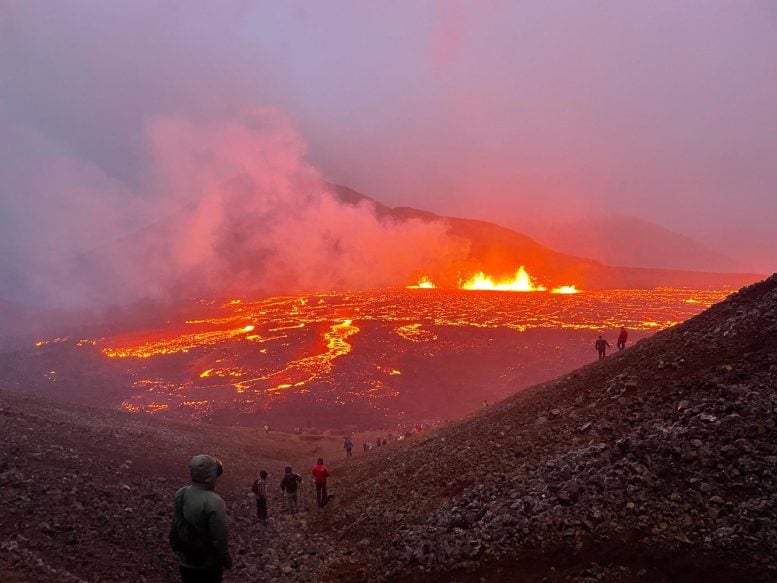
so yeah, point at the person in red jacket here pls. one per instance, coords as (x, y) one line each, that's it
(320, 474)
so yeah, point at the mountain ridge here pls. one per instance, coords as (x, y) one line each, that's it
(499, 251)
(625, 240)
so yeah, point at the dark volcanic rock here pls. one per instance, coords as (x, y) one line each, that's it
(88, 496)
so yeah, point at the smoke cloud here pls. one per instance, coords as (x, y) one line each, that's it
(225, 206)
(134, 161)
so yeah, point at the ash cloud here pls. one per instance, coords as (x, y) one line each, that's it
(225, 206)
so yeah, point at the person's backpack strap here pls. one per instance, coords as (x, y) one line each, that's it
(179, 504)
(187, 538)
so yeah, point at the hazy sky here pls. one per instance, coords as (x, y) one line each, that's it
(505, 110)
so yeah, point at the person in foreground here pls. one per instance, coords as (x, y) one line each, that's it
(200, 524)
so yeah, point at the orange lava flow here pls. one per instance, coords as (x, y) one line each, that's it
(181, 343)
(257, 353)
(314, 366)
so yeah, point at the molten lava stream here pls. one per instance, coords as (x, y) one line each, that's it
(302, 371)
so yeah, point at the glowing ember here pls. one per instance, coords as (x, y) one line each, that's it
(222, 372)
(131, 408)
(414, 333)
(565, 289)
(522, 282)
(149, 408)
(40, 343)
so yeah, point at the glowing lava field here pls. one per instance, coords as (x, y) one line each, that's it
(372, 358)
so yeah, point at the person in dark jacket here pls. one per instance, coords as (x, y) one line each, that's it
(348, 446)
(289, 485)
(259, 488)
(204, 510)
(601, 347)
(320, 474)
(622, 337)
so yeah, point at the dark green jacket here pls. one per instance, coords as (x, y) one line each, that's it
(205, 511)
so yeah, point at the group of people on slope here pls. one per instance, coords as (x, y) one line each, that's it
(290, 486)
(199, 530)
(602, 345)
(366, 445)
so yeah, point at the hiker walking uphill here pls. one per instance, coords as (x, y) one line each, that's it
(348, 446)
(622, 337)
(601, 347)
(199, 531)
(320, 474)
(289, 485)
(259, 488)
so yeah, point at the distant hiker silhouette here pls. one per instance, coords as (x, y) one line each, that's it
(348, 446)
(601, 346)
(289, 485)
(259, 487)
(199, 531)
(622, 337)
(320, 474)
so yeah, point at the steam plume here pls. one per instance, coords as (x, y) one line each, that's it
(226, 206)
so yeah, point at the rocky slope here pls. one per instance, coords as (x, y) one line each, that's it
(657, 464)
(87, 495)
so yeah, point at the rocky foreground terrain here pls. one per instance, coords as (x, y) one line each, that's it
(657, 464)
(87, 494)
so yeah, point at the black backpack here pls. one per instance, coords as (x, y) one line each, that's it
(185, 538)
(290, 482)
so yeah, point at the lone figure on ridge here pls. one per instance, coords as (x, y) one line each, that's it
(601, 347)
(622, 337)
